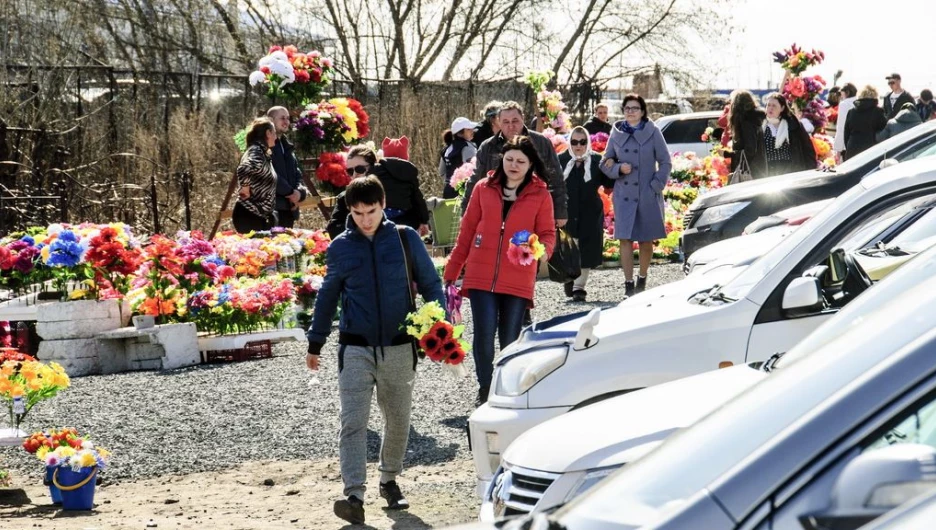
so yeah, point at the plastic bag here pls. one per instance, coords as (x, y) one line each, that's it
(565, 264)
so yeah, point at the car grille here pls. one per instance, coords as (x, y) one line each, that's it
(518, 492)
(687, 219)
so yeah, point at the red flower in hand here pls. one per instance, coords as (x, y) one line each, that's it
(431, 345)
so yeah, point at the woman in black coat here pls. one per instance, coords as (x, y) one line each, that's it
(789, 147)
(583, 180)
(863, 122)
(745, 122)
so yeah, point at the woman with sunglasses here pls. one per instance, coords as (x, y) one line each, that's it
(638, 161)
(400, 178)
(583, 180)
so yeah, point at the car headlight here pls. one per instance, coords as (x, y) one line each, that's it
(592, 477)
(520, 372)
(717, 214)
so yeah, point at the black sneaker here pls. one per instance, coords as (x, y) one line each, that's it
(482, 395)
(567, 286)
(394, 497)
(352, 509)
(579, 296)
(641, 284)
(628, 288)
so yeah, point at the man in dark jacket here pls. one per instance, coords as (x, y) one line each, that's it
(369, 269)
(599, 122)
(289, 188)
(400, 178)
(489, 155)
(895, 99)
(489, 125)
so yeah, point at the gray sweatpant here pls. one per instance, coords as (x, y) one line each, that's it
(393, 375)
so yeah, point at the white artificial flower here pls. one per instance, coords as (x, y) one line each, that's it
(87, 444)
(54, 229)
(316, 282)
(256, 77)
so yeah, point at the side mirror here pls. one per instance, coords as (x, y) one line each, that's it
(838, 268)
(888, 162)
(874, 483)
(802, 293)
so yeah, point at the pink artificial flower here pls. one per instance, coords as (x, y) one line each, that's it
(520, 255)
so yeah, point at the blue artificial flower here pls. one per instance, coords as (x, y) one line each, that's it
(214, 258)
(520, 237)
(28, 239)
(67, 235)
(64, 253)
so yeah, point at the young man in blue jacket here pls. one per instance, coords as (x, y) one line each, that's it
(369, 266)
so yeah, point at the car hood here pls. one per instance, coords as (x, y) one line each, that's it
(740, 250)
(621, 429)
(747, 190)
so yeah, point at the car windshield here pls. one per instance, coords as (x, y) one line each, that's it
(891, 147)
(742, 284)
(660, 483)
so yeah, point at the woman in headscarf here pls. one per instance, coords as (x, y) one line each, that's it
(583, 180)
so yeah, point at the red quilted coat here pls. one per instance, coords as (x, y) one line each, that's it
(485, 237)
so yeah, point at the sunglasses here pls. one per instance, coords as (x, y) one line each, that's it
(578, 142)
(360, 170)
(891, 82)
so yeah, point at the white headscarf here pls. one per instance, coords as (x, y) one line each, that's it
(584, 158)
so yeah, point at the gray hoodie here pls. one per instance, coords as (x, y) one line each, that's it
(903, 121)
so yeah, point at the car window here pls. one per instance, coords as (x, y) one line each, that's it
(927, 149)
(918, 426)
(688, 131)
(919, 235)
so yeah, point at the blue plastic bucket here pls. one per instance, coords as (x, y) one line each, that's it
(77, 487)
(53, 491)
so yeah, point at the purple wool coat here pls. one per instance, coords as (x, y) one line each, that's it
(638, 196)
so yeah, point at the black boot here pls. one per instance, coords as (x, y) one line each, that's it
(641, 284)
(568, 289)
(628, 288)
(579, 296)
(350, 509)
(482, 395)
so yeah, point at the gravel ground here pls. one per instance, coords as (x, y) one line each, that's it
(211, 417)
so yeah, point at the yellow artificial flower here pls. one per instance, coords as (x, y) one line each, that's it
(42, 452)
(7, 368)
(87, 459)
(61, 380)
(17, 390)
(65, 451)
(5, 386)
(77, 294)
(36, 384)
(30, 369)
(57, 367)
(104, 453)
(45, 252)
(350, 118)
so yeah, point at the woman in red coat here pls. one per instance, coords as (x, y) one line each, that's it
(512, 199)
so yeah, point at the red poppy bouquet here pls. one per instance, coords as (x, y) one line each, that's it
(438, 338)
(525, 248)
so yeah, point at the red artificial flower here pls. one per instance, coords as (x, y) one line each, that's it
(332, 168)
(291, 51)
(451, 352)
(316, 75)
(431, 345)
(265, 70)
(363, 123)
(302, 76)
(441, 330)
(275, 49)
(6, 259)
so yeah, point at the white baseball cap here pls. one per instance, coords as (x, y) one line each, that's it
(461, 124)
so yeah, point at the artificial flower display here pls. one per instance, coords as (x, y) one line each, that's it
(438, 338)
(796, 60)
(524, 248)
(332, 169)
(292, 75)
(462, 175)
(24, 384)
(599, 142)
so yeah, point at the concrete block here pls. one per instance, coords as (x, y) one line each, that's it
(153, 364)
(84, 356)
(79, 319)
(144, 352)
(180, 343)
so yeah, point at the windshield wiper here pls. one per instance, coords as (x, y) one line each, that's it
(719, 296)
(534, 521)
(769, 364)
(881, 248)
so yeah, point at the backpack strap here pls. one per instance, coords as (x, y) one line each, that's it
(408, 263)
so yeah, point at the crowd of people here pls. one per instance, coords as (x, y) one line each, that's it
(519, 186)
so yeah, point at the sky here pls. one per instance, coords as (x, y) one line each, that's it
(867, 42)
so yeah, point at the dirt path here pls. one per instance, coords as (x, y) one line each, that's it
(301, 497)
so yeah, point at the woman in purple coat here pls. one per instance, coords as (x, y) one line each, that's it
(639, 162)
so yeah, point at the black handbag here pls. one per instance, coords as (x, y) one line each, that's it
(565, 264)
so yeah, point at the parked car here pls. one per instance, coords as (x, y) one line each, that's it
(739, 250)
(537, 473)
(800, 443)
(729, 316)
(882, 245)
(683, 132)
(725, 212)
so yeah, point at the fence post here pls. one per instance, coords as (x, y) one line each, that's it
(154, 202)
(186, 190)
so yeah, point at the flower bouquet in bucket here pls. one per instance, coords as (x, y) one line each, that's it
(438, 338)
(74, 472)
(44, 444)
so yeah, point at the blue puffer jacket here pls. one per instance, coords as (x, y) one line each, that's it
(369, 279)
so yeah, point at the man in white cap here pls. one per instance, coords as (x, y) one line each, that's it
(458, 150)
